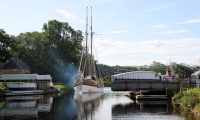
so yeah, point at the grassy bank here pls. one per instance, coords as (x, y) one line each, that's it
(63, 88)
(107, 81)
(188, 100)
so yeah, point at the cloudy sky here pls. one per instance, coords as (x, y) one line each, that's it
(130, 32)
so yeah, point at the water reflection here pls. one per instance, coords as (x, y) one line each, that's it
(146, 110)
(87, 105)
(21, 107)
(159, 107)
(42, 107)
(70, 106)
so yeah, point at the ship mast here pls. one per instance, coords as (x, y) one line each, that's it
(91, 37)
(93, 66)
(86, 44)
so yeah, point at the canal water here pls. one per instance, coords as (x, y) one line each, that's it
(70, 106)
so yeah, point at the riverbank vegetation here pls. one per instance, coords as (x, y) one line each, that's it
(188, 100)
(107, 81)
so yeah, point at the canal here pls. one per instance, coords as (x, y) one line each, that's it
(70, 106)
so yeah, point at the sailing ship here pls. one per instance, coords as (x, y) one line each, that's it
(88, 79)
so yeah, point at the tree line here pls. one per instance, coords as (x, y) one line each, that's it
(182, 70)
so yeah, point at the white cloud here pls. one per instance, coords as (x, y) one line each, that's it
(119, 52)
(159, 26)
(170, 32)
(116, 32)
(69, 15)
(192, 21)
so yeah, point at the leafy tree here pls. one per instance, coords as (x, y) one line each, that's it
(31, 49)
(158, 67)
(6, 45)
(106, 70)
(65, 39)
(54, 51)
(65, 44)
(184, 71)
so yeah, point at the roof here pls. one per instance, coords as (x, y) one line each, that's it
(14, 64)
(133, 72)
(196, 73)
(44, 77)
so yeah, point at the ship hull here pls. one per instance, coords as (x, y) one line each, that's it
(87, 89)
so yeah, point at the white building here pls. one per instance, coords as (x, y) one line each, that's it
(26, 81)
(196, 77)
(136, 75)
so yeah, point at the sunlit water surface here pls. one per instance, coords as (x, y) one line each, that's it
(70, 106)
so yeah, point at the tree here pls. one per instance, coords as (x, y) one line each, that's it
(31, 49)
(6, 45)
(158, 67)
(65, 39)
(65, 44)
(184, 71)
(54, 51)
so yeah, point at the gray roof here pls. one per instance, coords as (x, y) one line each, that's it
(196, 73)
(14, 64)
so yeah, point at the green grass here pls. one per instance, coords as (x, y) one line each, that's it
(63, 87)
(59, 87)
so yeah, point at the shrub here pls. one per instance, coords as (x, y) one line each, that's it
(177, 98)
(2, 86)
(187, 99)
(197, 108)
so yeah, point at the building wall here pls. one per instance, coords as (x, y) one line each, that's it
(43, 85)
(14, 85)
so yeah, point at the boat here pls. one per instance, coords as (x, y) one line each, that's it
(88, 78)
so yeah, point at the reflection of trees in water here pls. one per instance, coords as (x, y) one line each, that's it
(87, 107)
(158, 107)
(62, 109)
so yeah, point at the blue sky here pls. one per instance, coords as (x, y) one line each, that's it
(133, 32)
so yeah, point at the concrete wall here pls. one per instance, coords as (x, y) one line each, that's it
(43, 85)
